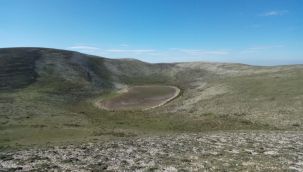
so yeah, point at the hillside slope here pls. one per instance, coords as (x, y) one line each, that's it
(49, 94)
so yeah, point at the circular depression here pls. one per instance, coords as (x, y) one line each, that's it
(140, 98)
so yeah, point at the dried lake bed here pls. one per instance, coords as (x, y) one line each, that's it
(140, 97)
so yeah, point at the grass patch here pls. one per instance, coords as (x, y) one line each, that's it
(42, 118)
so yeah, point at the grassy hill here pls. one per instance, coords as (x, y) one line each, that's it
(49, 95)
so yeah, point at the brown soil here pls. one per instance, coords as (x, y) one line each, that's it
(141, 97)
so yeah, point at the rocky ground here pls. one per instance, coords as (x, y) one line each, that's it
(214, 151)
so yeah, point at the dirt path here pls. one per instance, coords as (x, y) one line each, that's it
(177, 92)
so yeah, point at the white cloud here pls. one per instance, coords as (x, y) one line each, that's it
(265, 47)
(154, 55)
(173, 52)
(275, 13)
(136, 51)
(124, 45)
(166, 55)
(83, 47)
(195, 52)
(257, 49)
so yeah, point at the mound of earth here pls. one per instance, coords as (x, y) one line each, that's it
(141, 97)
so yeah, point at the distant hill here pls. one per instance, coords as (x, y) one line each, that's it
(21, 67)
(53, 90)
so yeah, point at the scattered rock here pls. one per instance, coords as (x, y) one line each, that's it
(216, 151)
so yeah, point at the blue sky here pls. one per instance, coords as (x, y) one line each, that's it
(260, 32)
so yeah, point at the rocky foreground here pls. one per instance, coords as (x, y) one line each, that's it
(216, 151)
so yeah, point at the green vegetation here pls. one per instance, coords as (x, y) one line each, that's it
(34, 117)
(58, 104)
